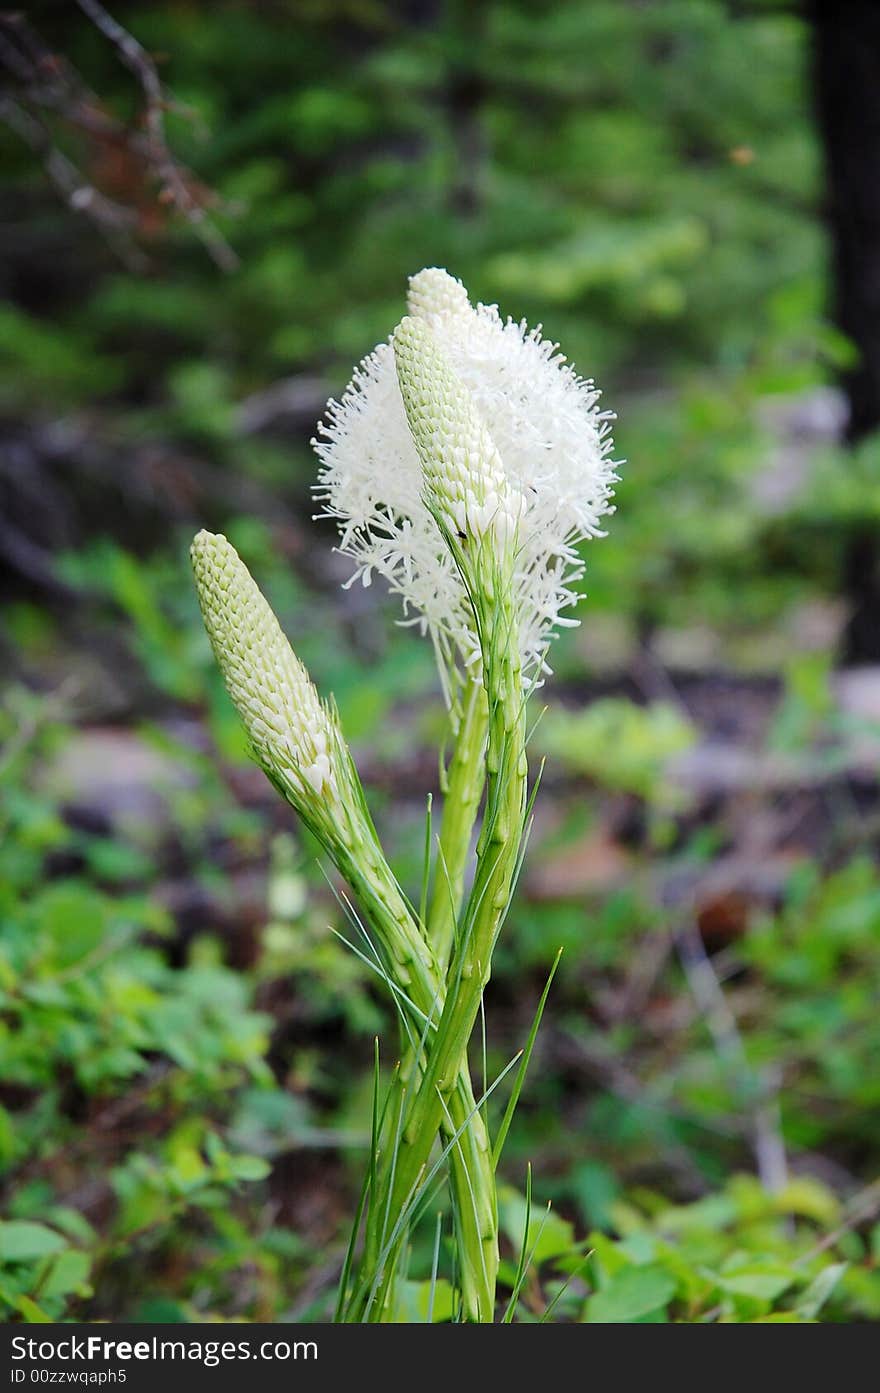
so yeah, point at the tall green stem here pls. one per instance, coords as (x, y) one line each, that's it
(497, 859)
(470, 1160)
(464, 781)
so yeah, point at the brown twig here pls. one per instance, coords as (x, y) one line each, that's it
(175, 188)
(46, 98)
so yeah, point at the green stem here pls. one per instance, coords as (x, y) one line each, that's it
(464, 782)
(470, 1160)
(497, 858)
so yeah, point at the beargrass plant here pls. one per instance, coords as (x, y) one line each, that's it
(465, 464)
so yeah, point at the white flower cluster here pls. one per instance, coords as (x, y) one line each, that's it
(548, 469)
(289, 727)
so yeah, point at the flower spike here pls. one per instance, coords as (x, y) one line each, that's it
(464, 479)
(292, 733)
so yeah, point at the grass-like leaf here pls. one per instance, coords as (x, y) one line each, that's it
(518, 1082)
(565, 1286)
(421, 1192)
(525, 1264)
(435, 1263)
(368, 1187)
(426, 866)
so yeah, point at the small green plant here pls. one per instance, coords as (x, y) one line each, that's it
(618, 744)
(465, 464)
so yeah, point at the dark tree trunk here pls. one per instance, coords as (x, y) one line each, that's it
(846, 77)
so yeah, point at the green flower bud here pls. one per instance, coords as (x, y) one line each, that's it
(464, 479)
(293, 734)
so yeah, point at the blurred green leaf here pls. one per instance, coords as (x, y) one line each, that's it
(631, 1295)
(21, 1241)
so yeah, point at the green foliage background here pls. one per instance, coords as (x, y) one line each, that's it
(184, 1046)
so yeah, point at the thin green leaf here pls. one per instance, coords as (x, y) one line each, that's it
(367, 1187)
(415, 1202)
(565, 1286)
(435, 1262)
(525, 1056)
(426, 866)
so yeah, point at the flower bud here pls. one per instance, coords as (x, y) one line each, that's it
(464, 479)
(290, 729)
